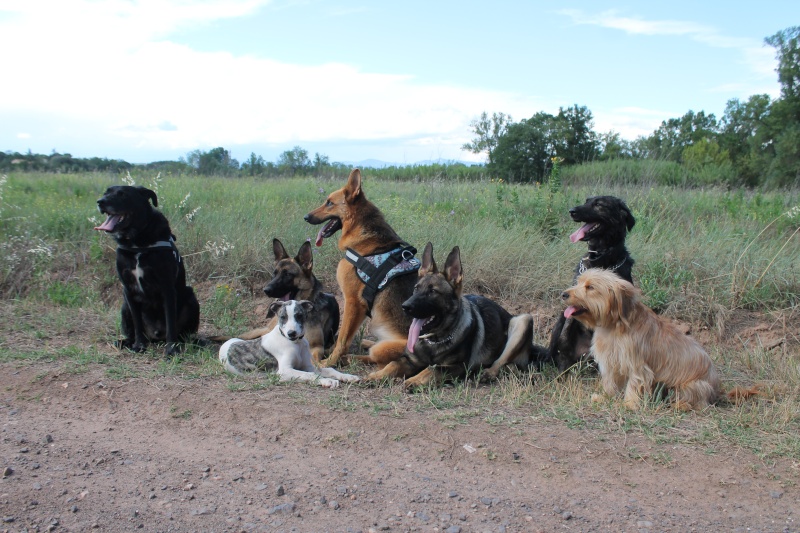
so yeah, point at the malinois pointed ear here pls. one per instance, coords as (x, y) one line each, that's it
(304, 257)
(274, 307)
(428, 264)
(353, 188)
(279, 250)
(452, 269)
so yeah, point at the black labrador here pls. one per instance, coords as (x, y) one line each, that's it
(157, 305)
(606, 221)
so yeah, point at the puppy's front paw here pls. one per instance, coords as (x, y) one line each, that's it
(349, 378)
(328, 383)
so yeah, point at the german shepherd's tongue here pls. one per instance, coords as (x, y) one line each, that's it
(110, 223)
(413, 333)
(580, 234)
(569, 311)
(318, 242)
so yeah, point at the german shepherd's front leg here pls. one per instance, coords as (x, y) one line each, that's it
(355, 311)
(399, 368)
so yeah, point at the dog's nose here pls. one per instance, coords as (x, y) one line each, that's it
(307, 217)
(292, 335)
(564, 295)
(406, 307)
(572, 211)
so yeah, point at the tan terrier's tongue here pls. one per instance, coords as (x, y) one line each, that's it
(413, 333)
(569, 311)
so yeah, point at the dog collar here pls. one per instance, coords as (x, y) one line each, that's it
(582, 267)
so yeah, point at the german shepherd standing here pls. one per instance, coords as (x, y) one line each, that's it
(365, 231)
(452, 334)
(293, 279)
(606, 221)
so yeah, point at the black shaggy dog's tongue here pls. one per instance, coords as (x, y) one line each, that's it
(580, 234)
(110, 223)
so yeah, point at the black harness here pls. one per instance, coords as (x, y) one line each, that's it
(376, 270)
(159, 244)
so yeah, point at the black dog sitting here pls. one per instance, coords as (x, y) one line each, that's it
(606, 222)
(157, 305)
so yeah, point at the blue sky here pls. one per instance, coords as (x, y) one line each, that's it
(148, 80)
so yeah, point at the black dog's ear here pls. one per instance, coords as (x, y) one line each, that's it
(453, 270)
(279, 250)
(147, 193)
(304, 257)
(428, 264)
(629, 220)
(274, 307)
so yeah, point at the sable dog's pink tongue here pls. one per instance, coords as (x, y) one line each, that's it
(318, 242)
(109, 224)
(569, 311)
(580, 234)
(413, 333)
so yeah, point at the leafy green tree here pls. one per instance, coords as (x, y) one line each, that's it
(613, 146)
(745, 135)
(488, 131)
(575, 139)
(217, 161)
(675, 134)
(294, 161)
(787, 46)
(254, 165)
(321, 163)
(784, 169)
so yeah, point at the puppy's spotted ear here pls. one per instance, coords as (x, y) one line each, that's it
(307, 306)
(279, 250)
(453, 271)
(304, 257)
(428, 264)
(274, 308)
(147, 193)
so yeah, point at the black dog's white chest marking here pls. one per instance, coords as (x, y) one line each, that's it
(138, 274)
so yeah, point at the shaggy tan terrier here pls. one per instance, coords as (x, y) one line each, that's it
(635, 348)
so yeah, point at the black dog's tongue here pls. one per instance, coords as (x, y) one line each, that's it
(110, 223)
(580, 234)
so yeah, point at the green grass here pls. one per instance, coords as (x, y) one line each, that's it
(702, 255)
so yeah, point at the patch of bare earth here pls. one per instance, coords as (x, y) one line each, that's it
(165, 454)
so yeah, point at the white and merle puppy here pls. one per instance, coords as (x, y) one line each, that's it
(284, 350)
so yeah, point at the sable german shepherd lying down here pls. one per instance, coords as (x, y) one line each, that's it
(365, 233)
(293, 279)
(451, 334)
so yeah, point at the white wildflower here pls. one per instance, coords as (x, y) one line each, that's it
(128, 180)
(218, 249)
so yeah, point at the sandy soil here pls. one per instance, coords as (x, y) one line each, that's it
(83, 452)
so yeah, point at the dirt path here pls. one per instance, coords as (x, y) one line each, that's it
(166, 454)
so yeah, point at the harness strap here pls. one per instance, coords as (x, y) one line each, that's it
(158, 244)
(377, 274)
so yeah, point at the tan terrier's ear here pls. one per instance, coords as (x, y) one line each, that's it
(428, 264)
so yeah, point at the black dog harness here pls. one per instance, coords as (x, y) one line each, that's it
(376, 270)
(158, 244)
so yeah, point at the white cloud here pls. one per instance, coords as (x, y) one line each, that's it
(111, 65)
(23, 135)
(629, 122)
(757, 57)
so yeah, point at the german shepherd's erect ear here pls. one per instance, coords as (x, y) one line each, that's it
(453, 271)
(304, 257)
(279, 250)
(353, 188)
(428, 265)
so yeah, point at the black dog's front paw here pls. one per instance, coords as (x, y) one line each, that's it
(128, 344)
(173, 349)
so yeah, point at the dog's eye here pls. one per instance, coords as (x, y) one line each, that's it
(328, 204)
(589, 288)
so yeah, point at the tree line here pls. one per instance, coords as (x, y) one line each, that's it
(755, 143)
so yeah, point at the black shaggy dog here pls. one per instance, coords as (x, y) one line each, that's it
(157, 305)
(606, 221)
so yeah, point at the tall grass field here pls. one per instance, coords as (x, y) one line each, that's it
(719, 260)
